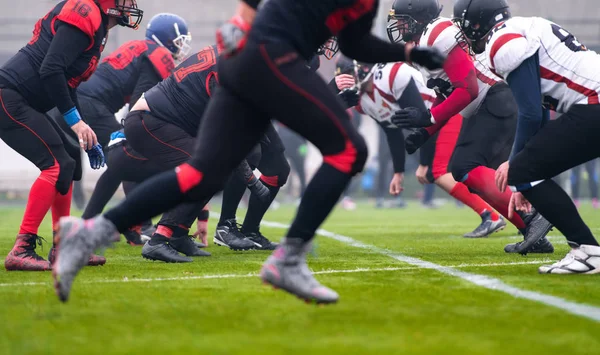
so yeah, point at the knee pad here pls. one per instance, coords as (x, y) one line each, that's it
(66, 172)
(352, 159)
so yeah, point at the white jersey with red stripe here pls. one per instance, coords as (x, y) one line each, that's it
(569, 72)
(389, 82)
(442, 34)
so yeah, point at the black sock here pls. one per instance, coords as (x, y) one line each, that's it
(320, 197)
(158, 239)
(556, 206)
(155, 196)
(105, 188)
(232, 195)
(257, 209)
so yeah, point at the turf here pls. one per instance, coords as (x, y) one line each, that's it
(217, 305)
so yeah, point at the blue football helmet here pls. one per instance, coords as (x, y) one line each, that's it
(170, 31)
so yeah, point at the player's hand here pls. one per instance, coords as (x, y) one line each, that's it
(412, 117)
(202, 231)
(396, 184)
(96, 156)
(421, 174)
(259, 189)
(87, 137)
(415, 140)
(518, 202)
(232, 36)
(502, 176)
(344, 81)
(351, 97)
(427, 57)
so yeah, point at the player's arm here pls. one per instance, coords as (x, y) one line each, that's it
(395, 139)
(427, 152)
(148, 77)
(525, 84)
(67, 45)
(462, 74)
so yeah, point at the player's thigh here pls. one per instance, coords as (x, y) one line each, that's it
(230, 128)
(30, 133)
(130, 165)
(561, 144)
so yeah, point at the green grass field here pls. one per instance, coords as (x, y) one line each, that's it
(217, 305)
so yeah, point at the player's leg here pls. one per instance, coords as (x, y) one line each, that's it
(228, 232)
(30, 134)
(446, 142)
(275, 171)
(306, 105)
(560, 145)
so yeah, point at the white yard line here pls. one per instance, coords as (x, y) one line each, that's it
(242, 276)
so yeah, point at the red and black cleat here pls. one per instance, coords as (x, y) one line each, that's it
(134, 236)
(23, 257)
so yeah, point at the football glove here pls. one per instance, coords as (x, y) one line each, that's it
(350, 97)
(415, 140)
(257, 188)
(96, 156)
(232, 36)
(427, 57)
(412, 117)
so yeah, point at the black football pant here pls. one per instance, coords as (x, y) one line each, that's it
(260, 82)
(560, 145)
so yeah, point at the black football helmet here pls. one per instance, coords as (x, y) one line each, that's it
(408, 18)
(345, 65)
(476, 18)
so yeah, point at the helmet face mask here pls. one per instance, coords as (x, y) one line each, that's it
(408, 19)
(329, 49)
(126, 12)
(170, 31)
(477, 18)
(403, 28)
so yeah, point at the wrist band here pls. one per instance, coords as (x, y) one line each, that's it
(72, 117)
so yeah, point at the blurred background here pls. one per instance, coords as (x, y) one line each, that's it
(17, 19)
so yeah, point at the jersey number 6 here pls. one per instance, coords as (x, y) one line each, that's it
(568, 39)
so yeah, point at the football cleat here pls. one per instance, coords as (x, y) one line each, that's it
(76, 241)
(163, 251)
(185, 244)
(95, 260)
(262, 243)
(23, 257)
(582, 259)
(229, 235)
(133, 236)
(286, 269)
(487, 226)
(536, 228)
(543, 246)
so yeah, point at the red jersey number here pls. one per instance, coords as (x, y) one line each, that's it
(206, 59)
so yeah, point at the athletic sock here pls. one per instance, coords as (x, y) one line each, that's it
(556, 206)
(61, 207)
(320, 197)
(461, 193)
(257, 209)
(41, 196)
(232, 195)
(482, 181)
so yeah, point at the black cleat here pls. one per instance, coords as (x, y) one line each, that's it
(262, 243)
(487, 226)
(537, 227)
(133, 236)
(229, 235)
(186, 245)
(543, 246)
(163, 252)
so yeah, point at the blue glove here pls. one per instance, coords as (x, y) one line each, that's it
(96, 156)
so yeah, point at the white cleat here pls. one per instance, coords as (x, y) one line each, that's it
(584, 259)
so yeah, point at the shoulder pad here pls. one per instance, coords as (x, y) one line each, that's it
(507, 48)
(162, 60)
(83, 14)
(440, 34)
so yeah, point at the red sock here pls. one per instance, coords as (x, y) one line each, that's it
(61, 207)
(482, 181)
(461, 192)
(164, 231)
(41, 197)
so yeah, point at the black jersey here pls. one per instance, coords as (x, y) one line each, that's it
(117, 75)
(308, 24)
(182, 98)
(21, 72)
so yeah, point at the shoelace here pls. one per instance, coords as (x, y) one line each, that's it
(30, 248)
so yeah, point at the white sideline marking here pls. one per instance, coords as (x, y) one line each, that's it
(242, 276)
(580, 309)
